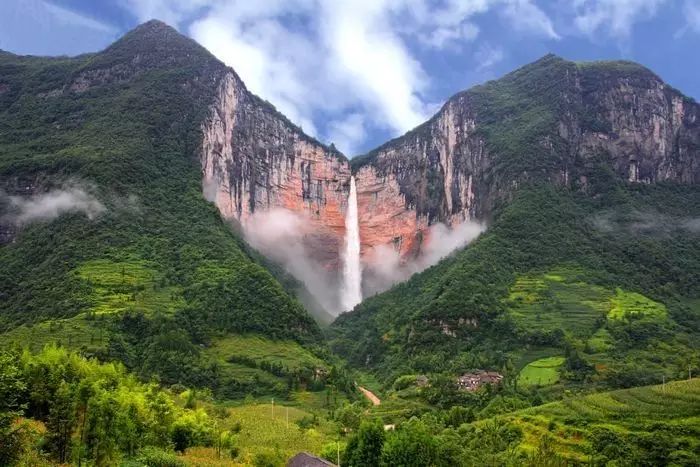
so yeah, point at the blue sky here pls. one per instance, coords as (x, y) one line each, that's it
(358, 72)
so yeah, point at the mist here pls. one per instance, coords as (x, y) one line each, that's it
(286, 238)
(384, 266)
(280, 235)
(47, 206)
(643, 222)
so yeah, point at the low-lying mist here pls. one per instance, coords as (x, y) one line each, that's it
(21, 210)
(637, 222)
(384, 266)
(283, 236)
(286, 238)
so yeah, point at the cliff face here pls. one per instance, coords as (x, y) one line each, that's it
(553, 121)
(254, 160)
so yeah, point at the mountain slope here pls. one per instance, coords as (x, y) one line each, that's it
(104, 216)
(588, 173)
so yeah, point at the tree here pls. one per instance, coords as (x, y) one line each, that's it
(12, 386)
(365, 448)
(61, 422)
(410, 445)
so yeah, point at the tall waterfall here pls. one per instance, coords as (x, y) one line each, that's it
(351, 294)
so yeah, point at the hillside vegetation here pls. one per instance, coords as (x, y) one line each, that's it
(152, 273)
(619, 303)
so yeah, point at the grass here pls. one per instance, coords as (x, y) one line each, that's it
(83, 332)
(639, 410)
(258, 349)
(251, 359)
(263, 433)
(631, 303)
(128, 285)
(542, 372)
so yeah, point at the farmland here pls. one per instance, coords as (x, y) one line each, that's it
(542, 372)
(559, 299)
(632, 416)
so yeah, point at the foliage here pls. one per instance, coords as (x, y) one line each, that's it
(93, 412)
(544, 276)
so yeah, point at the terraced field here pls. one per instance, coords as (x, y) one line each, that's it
(273, 434)
(128, 285)
(115, 286)
(638, 412)
(557, 300)
(83, 332)
(630, 303)
(249, 358)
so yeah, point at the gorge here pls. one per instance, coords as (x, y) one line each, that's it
(447, 176)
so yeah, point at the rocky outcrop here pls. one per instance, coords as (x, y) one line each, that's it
(553, 120)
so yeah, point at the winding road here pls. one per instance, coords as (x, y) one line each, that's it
(370, 395)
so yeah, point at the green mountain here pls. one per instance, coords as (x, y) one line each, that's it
(127, 175)
(104, 219)
(591, 249)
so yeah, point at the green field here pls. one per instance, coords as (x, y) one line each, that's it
(254, 360)
(559, 299)
(632, 414)
(542, 372)
(128, 285)
(630, 303)
(263, 432)
(83, 332)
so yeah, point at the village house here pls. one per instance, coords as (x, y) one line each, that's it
(473, 381)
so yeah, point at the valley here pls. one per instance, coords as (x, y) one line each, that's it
(515, 281)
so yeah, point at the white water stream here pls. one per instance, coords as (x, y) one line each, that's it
(351, 294)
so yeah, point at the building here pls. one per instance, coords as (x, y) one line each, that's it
(473, 381)
(304, 459)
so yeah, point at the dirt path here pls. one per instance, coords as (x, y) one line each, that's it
(370, 395)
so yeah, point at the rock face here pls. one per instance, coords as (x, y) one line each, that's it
(255, 160)
(487, 141)
(553, 120)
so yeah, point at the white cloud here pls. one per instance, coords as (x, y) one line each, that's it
(443, 37)
(339, 68)
(525, 16)
(691, 10)
(615, 17)
(71, 18)
(347, 133)
(488, 56)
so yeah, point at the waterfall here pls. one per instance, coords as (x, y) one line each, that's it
(351, 293)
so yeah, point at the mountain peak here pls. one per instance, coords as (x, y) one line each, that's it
(153, 29)
(153, 43)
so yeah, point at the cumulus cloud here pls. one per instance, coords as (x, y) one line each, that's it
(384, 266)
(614, 17)
(50, 205)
